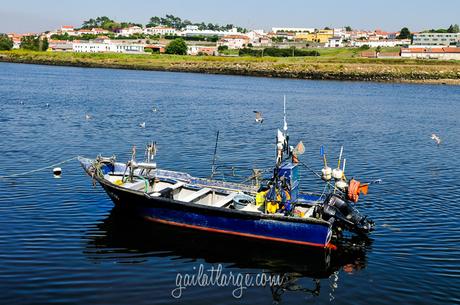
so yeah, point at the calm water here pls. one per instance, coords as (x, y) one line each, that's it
(62, 242)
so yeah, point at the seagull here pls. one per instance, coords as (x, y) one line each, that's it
(259, 118)
(154, 109)
(88, 117)
(142, 125)
(47, 105)
(436, 138)
(21, 102)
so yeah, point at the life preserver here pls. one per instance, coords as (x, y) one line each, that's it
(355, 188)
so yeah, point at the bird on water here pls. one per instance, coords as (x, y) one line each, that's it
(259, 118)
(436, 138)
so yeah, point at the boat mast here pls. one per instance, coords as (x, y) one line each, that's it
(213, 168)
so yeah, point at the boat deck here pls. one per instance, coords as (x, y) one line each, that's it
(183, 191)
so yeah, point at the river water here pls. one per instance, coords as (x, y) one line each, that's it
(62, 242)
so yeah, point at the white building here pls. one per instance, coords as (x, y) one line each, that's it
(98, 31)
(436, 39)
(359, 35)
(106, 45)
(380, 43)
(234, 41)
(60, 46)
(205, 50)
(335, 42)
(67, 29)
(160, 30)
(339, 32)
(258, 38)
(16, 43)
(192, 30)
(129, 31)
(293, 30)
(84, 32)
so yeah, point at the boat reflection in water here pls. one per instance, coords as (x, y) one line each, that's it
(126, 238)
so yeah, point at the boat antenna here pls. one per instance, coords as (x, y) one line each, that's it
(285, 127)
(213, 168)
(340, 157)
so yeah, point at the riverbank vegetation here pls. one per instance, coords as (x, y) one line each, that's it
(334, 64)
(6, 43)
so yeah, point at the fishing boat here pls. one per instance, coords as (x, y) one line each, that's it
(275, 210)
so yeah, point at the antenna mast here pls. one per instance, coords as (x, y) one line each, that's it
(213, 168)
(285, 122)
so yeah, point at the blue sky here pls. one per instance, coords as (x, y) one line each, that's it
(29, 15)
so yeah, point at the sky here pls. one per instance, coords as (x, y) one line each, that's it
(391, 15)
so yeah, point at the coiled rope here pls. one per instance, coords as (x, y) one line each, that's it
(38, 169)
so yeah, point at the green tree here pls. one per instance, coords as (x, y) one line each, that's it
(34, 43)
(348, 28)
(154, 21)
(29, 43)
(43, 44)
(177, 46)
(404, 34)
(453, 29)
(222, 48)
(5, 43)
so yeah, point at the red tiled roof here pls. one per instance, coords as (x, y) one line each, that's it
(431, 50)
(67, 27)
(235, 37)
(451, 50)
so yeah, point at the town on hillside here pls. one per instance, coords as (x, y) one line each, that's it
(176, 36)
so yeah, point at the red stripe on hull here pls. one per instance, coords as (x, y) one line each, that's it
(177, 224)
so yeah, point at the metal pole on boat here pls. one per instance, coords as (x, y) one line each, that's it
(213, 169)
(340, 157)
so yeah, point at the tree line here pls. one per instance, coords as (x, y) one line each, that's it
(33, 43)
(172, 21)
(453, 28)
(106, 23)
(178, 23)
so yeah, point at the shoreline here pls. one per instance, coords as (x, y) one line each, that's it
(337, 69)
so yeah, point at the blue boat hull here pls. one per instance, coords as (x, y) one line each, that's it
(308, 232)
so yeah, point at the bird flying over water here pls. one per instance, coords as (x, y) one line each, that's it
(142, 125)
(88, 117)
(436, 138)
(259, 118)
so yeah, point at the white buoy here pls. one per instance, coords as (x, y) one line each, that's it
(57, 171)
(326, 173)
(342, 185)
(337, 173)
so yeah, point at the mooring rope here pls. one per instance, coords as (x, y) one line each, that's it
(38, 169)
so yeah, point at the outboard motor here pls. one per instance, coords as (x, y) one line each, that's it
(344, 216)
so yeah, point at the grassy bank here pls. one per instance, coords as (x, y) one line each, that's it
(333, 64)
